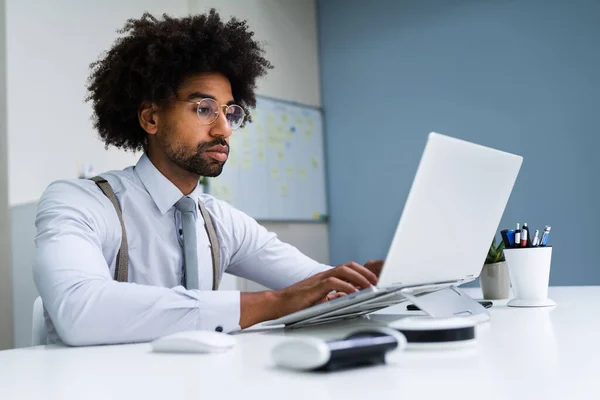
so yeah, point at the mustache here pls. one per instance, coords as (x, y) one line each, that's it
(208, 145)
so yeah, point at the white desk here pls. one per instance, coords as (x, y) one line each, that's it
(520, 354)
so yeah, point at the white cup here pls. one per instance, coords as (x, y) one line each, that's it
(529, 270)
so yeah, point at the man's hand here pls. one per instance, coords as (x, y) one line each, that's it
(343, 279)
(336, 282)
(374, 266)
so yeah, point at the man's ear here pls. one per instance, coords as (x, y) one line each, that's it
(148, 117)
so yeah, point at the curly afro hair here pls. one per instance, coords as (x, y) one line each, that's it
(156, 55)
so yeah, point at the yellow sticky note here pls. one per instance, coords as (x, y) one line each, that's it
(283, 189)
(316, 215)
(314, 162)
(302, 173)
(247, 163)
(261, 156)
(308, 133)
(299, 121)
(280, 155)
(284, 118)
(290, 172)
(274, 172)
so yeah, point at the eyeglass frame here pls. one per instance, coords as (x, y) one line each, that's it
(197, 103)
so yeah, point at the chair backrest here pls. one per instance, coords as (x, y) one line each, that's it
(38, 325)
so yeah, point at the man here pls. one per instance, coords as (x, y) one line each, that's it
(176, 89)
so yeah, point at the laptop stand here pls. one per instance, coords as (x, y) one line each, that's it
(445, 303)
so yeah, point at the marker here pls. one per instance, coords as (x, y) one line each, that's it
(544, 239)
(524, 238)
(511, 238)
(526, 228)
(536, 239)
(504, 234)
(518, 236)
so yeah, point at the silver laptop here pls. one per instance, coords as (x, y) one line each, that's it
(451, 214)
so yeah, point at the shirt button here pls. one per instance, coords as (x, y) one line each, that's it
(219, 328)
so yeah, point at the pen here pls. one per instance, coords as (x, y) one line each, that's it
(544, 239)
(524, 237)
(518, 235)
(526, 228)
(536, 239)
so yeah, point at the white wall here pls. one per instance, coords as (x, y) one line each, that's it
(50, 45)
(6, 310)
(49, 48)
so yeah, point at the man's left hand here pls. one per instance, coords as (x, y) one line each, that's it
(374, 266)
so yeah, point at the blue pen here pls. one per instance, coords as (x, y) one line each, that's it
(545, 235)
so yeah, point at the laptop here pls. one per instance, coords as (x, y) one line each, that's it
(452, 212)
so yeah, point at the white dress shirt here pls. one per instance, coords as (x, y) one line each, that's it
(79, 235)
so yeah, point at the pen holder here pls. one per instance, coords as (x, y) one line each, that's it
(529, 270)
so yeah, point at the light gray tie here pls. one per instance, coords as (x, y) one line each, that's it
(190, 242)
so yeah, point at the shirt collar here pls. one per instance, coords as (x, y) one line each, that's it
(164, 193)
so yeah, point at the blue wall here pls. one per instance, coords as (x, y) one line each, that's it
(522, 76)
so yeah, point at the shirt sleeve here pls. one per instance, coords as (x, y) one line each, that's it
(84, 303)
(260, 256)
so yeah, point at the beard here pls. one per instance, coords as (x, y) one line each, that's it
(197, 162)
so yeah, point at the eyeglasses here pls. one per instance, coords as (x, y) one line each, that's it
(208, 112)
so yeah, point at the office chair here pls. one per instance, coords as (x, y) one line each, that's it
(38, 325)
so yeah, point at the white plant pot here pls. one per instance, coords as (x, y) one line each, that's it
(495, 281)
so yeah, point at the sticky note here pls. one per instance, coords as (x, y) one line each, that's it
(261, 156)
(247, 163)
(314, 162)
(284, 118)
(280, 155)
(302, 173)
(316, 215)
(274, 172)
(283, 189)
(290, 172)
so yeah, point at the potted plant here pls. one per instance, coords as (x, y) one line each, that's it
(494, 277)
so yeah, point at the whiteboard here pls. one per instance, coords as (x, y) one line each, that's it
(276, 169)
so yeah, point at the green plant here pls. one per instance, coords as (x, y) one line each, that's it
(495, 253)
(203, 181)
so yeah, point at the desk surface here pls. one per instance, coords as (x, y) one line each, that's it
(520, 354)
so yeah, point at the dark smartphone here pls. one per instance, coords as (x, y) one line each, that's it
(485, 303)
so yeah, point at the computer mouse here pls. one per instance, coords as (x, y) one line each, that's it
(360, 348)
(194, 342)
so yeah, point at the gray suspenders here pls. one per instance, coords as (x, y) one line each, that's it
(122, 267)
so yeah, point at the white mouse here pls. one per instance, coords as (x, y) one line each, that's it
(194, 342)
